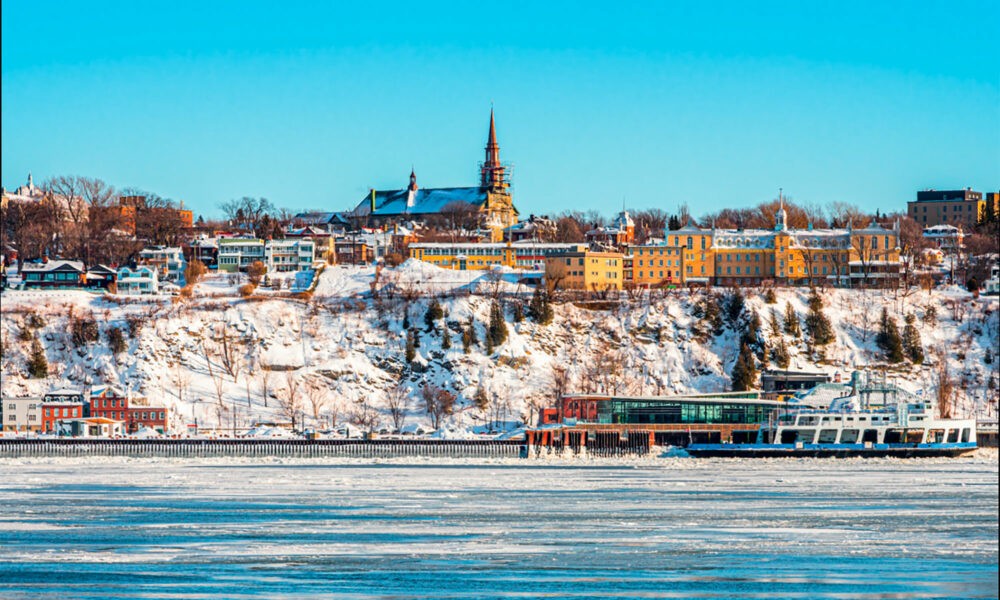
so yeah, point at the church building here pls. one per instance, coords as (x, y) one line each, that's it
(491, 200)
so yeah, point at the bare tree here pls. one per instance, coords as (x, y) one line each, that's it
(290, 401)
(438, 403)
(555, 272)
(364, 415)
(265, 383)
(318, 396)
(396, 404)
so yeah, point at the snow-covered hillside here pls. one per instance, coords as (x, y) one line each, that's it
(223, 360)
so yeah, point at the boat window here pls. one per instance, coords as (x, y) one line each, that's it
(849, 436)
(827, 436)
(965, 435)
(788, 436)
(806, 436)
(893, 436)
(914, 436)
(807, 420)
(870, 435)
(935, 436)
(953, 436)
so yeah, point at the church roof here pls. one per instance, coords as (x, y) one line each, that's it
(425, 201)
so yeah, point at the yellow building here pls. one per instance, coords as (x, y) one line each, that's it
(587, 270)
(654, 265)
(477, 256)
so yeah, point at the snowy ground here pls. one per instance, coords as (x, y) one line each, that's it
(343, 351)
(652, 527)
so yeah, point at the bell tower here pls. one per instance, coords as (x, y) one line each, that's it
(493, 174)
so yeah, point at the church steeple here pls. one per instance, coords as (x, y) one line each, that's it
(493, 174)
(413, 180)
(781, 217)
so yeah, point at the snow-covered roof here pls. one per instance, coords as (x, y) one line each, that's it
(53, 265)
(425, 201)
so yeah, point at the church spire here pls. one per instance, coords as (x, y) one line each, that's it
(493, 174)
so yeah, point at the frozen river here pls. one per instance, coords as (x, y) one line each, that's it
(656, 528)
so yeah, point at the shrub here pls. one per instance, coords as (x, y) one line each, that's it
(187, 291)
(255, 272)
(116, 340)
(38, 366)
(83, 331)
(247, 290)
(770, 297)
(194, 272)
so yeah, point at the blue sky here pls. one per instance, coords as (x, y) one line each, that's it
(655, 104)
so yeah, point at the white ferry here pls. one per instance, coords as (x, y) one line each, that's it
(900, 425)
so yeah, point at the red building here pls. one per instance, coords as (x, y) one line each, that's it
(112, 404)
(53, 412)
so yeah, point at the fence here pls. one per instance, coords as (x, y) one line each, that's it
(262, 448)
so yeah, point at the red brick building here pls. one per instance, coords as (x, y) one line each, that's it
(112, 404)
(53, 412)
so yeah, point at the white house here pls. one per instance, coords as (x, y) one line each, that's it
(945, 237)
(236, 254)
(142, 280)
(289, 255)
(22, 414)
(168, 261)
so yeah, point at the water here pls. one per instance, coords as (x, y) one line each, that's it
(657, 528)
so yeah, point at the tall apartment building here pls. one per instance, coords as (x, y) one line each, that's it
(951, 207)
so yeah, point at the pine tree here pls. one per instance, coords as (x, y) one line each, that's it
(416, 337)
(817, 324)
(497, 332)
(518, 312)
(469, 336)
(735, 302)
(889, 340)
(912, 345)
(406, 318)
(792, 321)
(433, 315)
(744, 371)
(411, 348)
(770, 297)
(540, 309)
(775, 324)
(988, 356)
(445, 338)
(38, 365)
(779, 354)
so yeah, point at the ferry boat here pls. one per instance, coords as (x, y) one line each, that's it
(901, 425)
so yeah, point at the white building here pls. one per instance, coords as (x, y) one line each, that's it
(946, 237)
(289, 255)
(236, 254)
(22, 414)
(142, 280)
(279, 256)
(168, 261)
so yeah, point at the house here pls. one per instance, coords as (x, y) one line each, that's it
(168, 262)
(236, 254)
(54, 274)
(205, 249)
(535, 229)
(55, 411)
(289, 255)
(142, 280)
(948, 238)
(22, 414)
(619, 234)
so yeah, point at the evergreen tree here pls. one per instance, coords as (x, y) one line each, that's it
(889, 340)
(406, 318)
(770, 297)
(411, 348)
(433, 315)
(817, 324)
(912, 345)
(540, 309)
(744, 371)
(38, 365)
(469, 335)
(445, 338)
(792, 321)
(518, 312)
(673, 224)
(735, 302)
(416, 337)
(775, 324)
(497, 332)
(779, 354)
(988, 356)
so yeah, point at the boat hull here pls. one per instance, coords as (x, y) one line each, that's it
(830, 450)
